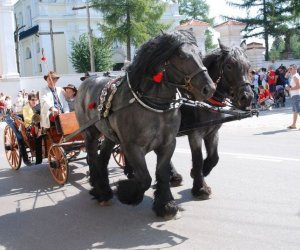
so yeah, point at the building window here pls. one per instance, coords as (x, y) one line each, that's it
(38, 49)
(20, 19)
(28, 53)
(28, 17)
(40, 67)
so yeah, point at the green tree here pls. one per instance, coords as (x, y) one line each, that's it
(80, 55)
(272, 18)
(295, 45)
(195, 9)
(276, 49)
(209, 45)
(130, 21)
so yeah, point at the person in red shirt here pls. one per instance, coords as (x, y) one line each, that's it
(264, 98)
(272, 79)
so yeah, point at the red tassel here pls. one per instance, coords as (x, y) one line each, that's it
(43, 58)
(92, 105)
(52, 118)
(158, 77)
(32, 131)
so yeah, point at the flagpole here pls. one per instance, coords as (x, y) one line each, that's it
(51, 80)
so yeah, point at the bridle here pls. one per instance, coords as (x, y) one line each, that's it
(220, 98)
(186, 79)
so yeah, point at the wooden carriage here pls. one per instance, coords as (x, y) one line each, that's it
(58, 146)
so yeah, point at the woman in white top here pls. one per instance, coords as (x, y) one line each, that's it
(294, 90)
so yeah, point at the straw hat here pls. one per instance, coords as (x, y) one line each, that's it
(52, 74)
(71, 86)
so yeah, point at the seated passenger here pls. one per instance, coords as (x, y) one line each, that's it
(52, 100)
(264, 98)
(70, 94)
(32, 125)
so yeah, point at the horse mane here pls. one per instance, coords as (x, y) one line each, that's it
(152, 55)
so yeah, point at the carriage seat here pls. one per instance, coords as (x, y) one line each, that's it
(69, 124)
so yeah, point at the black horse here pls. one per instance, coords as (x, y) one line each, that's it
(139, 111)
(229, 68)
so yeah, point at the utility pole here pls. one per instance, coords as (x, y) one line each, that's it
(17, 41)
(90, 34)
(51, 33)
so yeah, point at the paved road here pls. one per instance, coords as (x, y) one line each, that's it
(255, 202)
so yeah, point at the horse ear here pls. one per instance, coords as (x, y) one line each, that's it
(243, 45)
(222, 46)
(162, 32)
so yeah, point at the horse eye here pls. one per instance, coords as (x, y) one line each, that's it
(182, 55)
(228, 66)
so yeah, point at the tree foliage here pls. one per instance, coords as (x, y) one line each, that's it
(130, 21)
(209, 44)
(80, 55)
(276, 49)
(195, 9)
(272, 18)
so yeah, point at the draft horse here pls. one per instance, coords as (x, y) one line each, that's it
(140, 112)
(229, 68)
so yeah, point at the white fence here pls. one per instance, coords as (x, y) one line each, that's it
(13, 86)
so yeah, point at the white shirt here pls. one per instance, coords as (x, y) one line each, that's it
(293, 84)
(47, 102)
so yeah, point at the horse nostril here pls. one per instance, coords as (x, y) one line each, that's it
(205, 91)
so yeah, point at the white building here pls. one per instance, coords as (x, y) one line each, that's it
(230, 32)
(199, 29)
(67, 24)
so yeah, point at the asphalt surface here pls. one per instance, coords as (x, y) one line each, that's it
(255, 202)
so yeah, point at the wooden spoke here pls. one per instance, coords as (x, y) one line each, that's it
(12, 148)
(119, 156)
(58, 164)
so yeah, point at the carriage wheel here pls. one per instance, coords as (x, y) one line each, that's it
(12, 148)
(119, 156)
(58, 164)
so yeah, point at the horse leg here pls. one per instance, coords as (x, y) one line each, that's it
(101, 190)
(128, 170)
(200, 190)
(175, 178)
(212, 159)
(132, 191)
(164, 204)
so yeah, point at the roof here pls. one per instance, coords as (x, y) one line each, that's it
(255, 45)
(194, 22)
(230, 23)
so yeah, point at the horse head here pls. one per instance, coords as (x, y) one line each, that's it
(173, 60)
(229, 67)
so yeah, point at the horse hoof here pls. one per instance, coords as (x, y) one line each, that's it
(176, 180)
(101, 197)
(192, 174)
(202, 193)
(130, 192)
(168, 211)
(105, 203)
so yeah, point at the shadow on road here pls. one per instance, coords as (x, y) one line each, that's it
(75, 222)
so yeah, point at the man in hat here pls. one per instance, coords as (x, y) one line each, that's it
(52, 101)
(70, 94)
